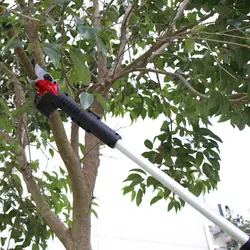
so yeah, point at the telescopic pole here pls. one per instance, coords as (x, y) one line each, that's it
(183, 193)
(49, 99)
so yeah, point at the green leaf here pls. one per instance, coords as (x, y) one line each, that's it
(139, 197)
(198, 188)
(177, 206)
(155, 199)
(102, 101)
(214, 99)
(138, 170)
(148, 144)
(101, 45)
(167, 192)
(85, 32)
(208, 170)
(51, 50)
(215, 163)
(86, 100)
(205, 131)
(214, 154)
(9, 43)
(189, 45)
(152, 181)
(192, 18)
(78, 3)
(199, 158)
(16, 147)
(149, 155)
(82, 148)
(3, 239)
(94, 204)
(133, 177)
(94, 212)
(127, 189)
(224, 105)
(79, 62)
(170, 205)
(113, 13)
(23, 109)
(133, 194)
(241, 56)
(35, 246)
(51, 151)
(4, 106)
(235, 119)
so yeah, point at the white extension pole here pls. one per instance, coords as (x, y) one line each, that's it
(183, 193)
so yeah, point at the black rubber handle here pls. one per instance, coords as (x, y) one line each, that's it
(87, 120)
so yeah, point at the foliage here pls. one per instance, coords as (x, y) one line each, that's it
(146, 58)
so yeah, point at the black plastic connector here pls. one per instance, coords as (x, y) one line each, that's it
(87, 120)
(246, 246)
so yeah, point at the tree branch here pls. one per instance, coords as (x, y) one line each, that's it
(181, 77)
(24, 59)
(43, 208)
(204, 39)
(32, 31)
(123, 39)
(64, 147)
(181, 30)
(68, 155)
(102, 62)
(18, 14)
(75, 136)
(20, 98)
(22, 4)
(242, 100)
(180, 11)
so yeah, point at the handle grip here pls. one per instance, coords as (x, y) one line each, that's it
(87, 120)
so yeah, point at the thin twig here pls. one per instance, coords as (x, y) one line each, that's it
(85, 154)
(203, 39)
(220, 34)
(19, 14)
(182, 78)
(218, 61)
(241, 100)
(62, 61)
(123, 38)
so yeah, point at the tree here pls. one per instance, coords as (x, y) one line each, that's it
(187, 61)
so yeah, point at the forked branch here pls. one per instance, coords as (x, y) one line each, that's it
(123, 39)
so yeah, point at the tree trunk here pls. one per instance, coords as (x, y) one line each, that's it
(81, 229)
(82, 233)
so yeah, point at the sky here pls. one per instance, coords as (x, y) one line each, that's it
(122, 225)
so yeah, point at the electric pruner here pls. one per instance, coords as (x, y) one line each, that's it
(49, 98)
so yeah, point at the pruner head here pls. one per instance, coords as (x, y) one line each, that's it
(44, 82)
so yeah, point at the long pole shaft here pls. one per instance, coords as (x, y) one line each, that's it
(183, 193)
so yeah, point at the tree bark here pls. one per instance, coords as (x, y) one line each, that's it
(81, 229)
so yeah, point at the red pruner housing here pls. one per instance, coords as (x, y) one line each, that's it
(45, 86)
